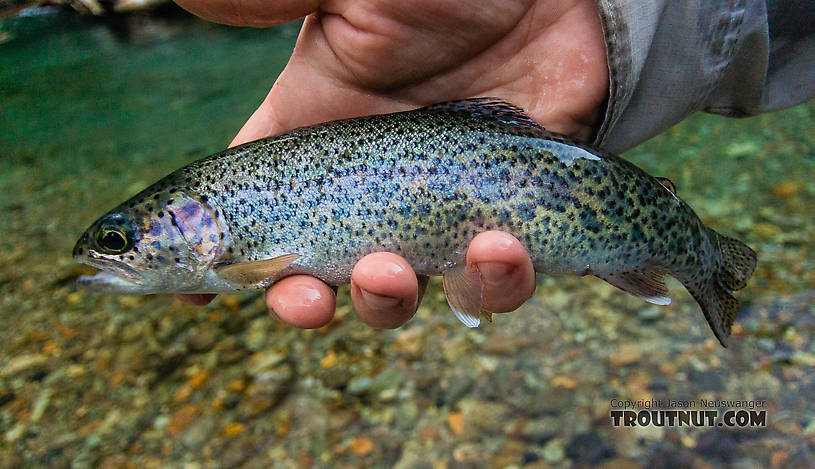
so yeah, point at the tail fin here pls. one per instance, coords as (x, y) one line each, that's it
(715, 297)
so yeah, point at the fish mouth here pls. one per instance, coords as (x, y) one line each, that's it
(107, 283)
(114, 277)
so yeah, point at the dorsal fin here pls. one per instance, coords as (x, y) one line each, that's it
(488, 108)
(667, 184)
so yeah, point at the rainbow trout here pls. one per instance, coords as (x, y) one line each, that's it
(420, 184)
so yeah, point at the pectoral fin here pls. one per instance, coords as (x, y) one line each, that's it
(648, 284)
(255, 272)
(463, 289)
(422, 280)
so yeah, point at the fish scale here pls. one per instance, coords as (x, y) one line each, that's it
(420, 184)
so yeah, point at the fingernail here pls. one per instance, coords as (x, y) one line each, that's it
(495, 273)
(379, 302)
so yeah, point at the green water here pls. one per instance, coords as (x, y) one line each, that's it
(91, 112)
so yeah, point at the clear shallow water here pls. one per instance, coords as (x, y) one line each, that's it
(92, 112)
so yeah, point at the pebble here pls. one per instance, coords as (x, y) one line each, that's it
(133, 331)
(803, 358)
(510, 454)
(588, 449)
(361, 446)
(785, 189)
(182, 418)
(467, 452)
(25, 365)
(625, 463)
(455, 420)
(199, 341)
(457, 385)
(407, 413)
(391, 378)
(230, 351)
(409, 341)
(234, 429)
(15, 432)
(198, 379)
(502, 345)
(329, 360)
(257, 335)
(388, 395)
(626, 354)
(182, 393)
(742, 148)
(264, 361)
(335, 377)
(651, 313)
(540, 430)
(262, 395)
(535, 403)
(564, 382)
(778, 458)
(483, 415)
(41, 404)
(360, 385)
(553, 451)
(766, 230)
(746, 463)
(810, 428)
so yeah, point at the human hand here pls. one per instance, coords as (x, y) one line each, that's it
(356, 58)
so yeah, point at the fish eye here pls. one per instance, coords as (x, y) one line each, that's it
(113, 238)
(112, 241)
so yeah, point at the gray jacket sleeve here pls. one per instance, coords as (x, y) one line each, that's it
(669, 58)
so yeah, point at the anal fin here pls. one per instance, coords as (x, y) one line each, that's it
(253, 272)
(463, 289)
(647, 283)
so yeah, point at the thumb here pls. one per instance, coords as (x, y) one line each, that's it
(264, 121)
